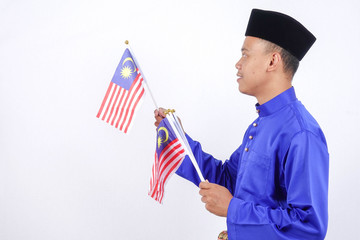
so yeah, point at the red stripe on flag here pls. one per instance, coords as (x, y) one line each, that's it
(104, 101)
(134, 109)
(163, 168)
(110, 101)
(153, 174)
(171, 144)
(166, 175)
(118, 107)
(156, 177)
(129, 104)
(167, 156)
(167, 159)
(113, 105)
(171, 171)
(126, 99)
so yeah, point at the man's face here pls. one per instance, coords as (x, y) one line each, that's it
(252, 66)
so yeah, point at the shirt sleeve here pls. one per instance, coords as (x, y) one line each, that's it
(214, 170)
(305, 173)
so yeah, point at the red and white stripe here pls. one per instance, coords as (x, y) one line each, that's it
(164, 166)
(119, 105)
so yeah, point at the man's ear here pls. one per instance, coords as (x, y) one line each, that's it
(275, 62)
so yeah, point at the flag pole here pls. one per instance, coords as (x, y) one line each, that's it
(183, 142)
(143, 76)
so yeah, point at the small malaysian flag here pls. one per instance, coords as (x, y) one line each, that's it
(169, 155)
(124, 94)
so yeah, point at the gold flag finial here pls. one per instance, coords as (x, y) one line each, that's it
(126, 42)
(169, 111)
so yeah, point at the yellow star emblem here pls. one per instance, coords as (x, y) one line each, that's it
(126, 72)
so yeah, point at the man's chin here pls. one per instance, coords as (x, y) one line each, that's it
(242, 90)
(245, 91)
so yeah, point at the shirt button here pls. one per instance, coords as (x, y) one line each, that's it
(246, 149)
(255, 124)
(251, 137)
(258, 110)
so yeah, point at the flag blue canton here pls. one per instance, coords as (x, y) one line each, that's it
(165, 135)
(126, 71)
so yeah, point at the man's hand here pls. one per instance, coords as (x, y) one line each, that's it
(159, 115)
(216, 198)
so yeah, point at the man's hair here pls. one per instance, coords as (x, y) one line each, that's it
(291, 63)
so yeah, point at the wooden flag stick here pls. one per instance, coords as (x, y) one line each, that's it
(183, 141)
(142, 74)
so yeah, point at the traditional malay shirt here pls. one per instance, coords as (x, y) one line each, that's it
(278, 176)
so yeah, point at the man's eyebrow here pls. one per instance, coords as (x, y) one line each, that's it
(244, 49)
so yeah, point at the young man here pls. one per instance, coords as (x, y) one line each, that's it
(275, 185)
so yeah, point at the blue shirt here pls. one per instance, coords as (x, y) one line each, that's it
(278, 176)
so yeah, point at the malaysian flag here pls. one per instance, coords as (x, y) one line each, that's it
(169, 155)
(123, 95)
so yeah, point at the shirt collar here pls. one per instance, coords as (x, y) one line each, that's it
(276, 103)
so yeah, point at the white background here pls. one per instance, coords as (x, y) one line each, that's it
(64, 174)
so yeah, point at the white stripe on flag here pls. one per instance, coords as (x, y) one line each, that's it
(112, 86)
(120, 108)
(118, 104)
(168, 172)
(163, 173)
(128, 102)
(112, 103)
(163, 161)
(130, 124)
(133, 100)
(124, 105)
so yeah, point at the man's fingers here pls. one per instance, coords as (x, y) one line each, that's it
(158, 118)
(160, 112)
(159, 115)
(204, 185)
(202, 192)
(208, 207)
(216, 198)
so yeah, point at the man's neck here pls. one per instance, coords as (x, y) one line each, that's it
(272, 92)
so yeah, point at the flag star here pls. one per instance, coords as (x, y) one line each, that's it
(126, 72)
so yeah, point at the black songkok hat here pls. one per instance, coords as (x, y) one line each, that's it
(282, 30)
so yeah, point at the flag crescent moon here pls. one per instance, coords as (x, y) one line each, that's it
(129, 59)
(160, 140)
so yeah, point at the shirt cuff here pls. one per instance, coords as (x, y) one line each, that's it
(234, 209)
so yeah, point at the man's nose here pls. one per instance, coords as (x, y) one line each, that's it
(238, 65)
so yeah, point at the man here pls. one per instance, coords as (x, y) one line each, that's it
(275, 185)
